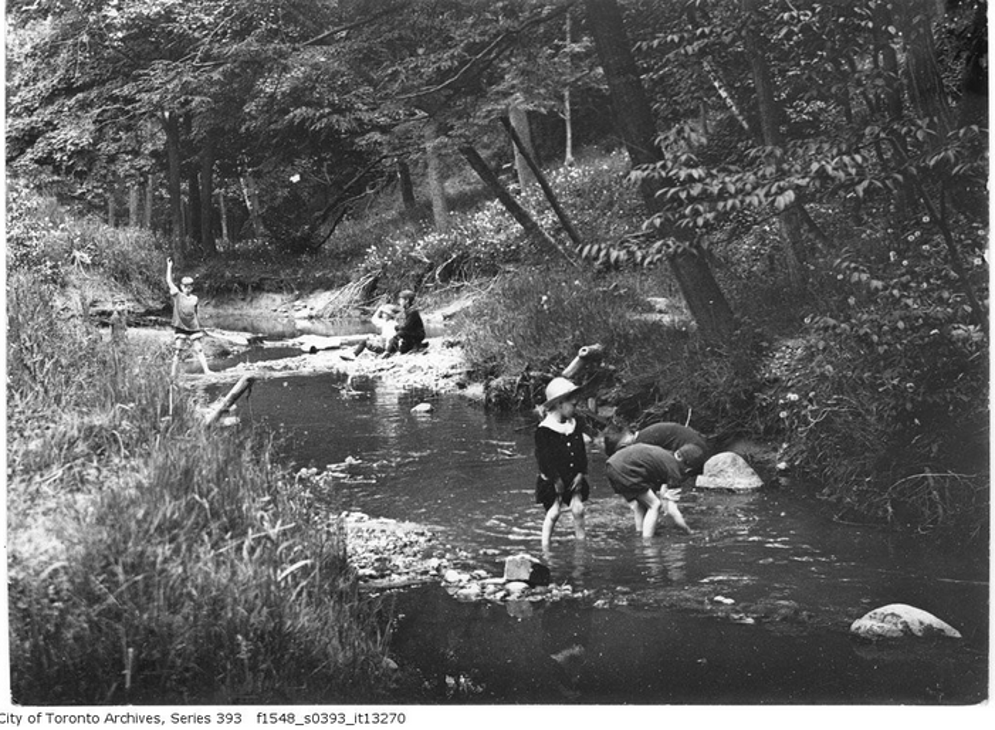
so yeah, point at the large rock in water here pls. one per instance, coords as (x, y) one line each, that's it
(728, 471)
(897, 619)
(524, 567)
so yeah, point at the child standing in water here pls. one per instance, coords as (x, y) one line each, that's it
(561, 454)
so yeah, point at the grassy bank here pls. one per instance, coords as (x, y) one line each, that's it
(153, 560)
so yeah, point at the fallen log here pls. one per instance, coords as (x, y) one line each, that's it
(584, 355)
(316, 343)
(244, 383)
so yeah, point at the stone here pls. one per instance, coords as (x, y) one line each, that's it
(516, 587)
(453, 576)
(897, 620)
(470, 593)
(728, 471)
(422, 408)
(524, 567)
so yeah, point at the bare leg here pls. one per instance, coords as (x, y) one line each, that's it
(552, 515)
(638, 512)
(577, 507)
(199, 351)
(651, 504)
(670, 508)
(176, 363)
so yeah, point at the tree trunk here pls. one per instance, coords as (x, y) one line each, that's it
(547, 190)
(436, 189)
(172, 130)
(251, 195)
(889, 62)
(134, 208)
(568, 154)
(519, 213)
(634, 120)
(723, 91)
(191, 167)
(925, 82)
(407, 189)
(519, 117)
(974, 81)
(223, 211)
(770, 124)
(206, 199)
(149, 201)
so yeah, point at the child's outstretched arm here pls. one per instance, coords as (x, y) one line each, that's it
(169, 277)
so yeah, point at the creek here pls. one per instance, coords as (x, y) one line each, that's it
(754, 608)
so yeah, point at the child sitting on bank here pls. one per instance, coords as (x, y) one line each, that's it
(561, 454)
(385, 320)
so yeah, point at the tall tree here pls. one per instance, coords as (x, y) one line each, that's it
(634, 119)
(770, 124)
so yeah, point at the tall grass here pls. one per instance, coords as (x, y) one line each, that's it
(152, 559)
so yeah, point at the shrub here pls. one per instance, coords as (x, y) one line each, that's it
(886, 403)
(46, 240)
(535, 320)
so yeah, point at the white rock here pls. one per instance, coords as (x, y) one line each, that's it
(422, 408)
(728, 471)
(470, 593)
(453, 576)
(898, 619)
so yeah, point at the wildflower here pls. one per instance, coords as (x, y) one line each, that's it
(905, 262)
(783, 414)
(792, 397)
(925, 219)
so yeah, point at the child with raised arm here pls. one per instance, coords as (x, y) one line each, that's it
(186, 322)
(561, 454)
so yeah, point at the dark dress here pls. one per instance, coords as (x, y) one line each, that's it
(560, 457)
(410, 333)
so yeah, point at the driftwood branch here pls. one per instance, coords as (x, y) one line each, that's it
(547, 190)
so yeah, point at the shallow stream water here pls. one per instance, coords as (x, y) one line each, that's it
(753, 608)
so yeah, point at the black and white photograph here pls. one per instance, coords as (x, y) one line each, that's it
(431, 363)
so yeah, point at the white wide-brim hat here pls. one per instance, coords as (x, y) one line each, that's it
(557, 390)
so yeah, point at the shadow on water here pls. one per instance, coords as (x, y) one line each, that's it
(753, 608)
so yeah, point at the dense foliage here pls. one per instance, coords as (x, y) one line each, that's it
(827, 160)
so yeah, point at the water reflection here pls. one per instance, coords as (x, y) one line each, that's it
(662, 561)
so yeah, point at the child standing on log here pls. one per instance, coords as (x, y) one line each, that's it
(186, 322)
(561, 454)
